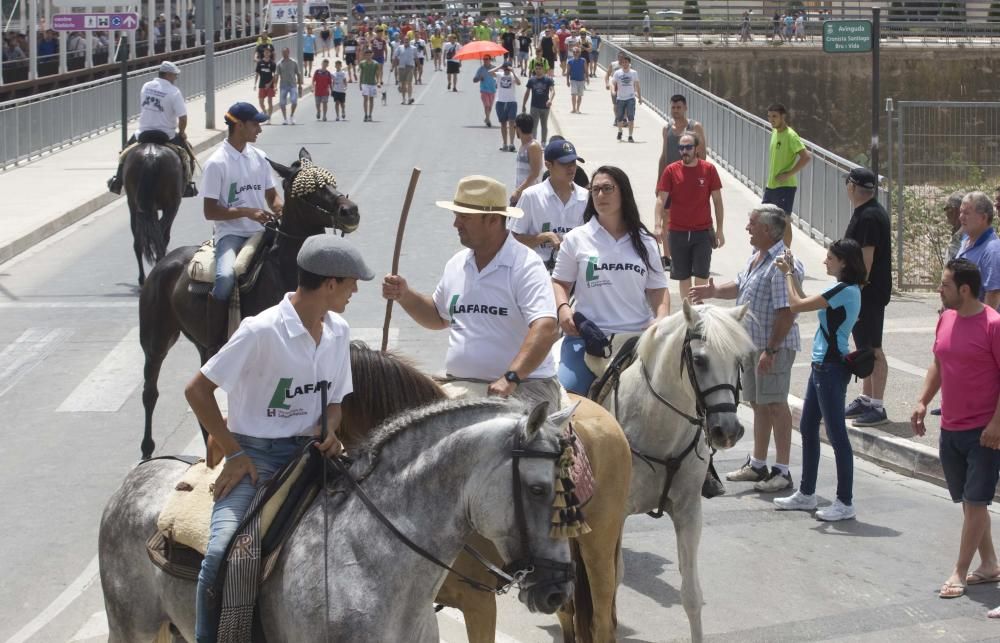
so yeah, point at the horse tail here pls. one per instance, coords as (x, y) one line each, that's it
(583, 600)
(147, 224)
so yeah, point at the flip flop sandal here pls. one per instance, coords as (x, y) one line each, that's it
(951, 590)
(978, 578)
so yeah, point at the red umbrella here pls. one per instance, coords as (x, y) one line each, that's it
(479, 49)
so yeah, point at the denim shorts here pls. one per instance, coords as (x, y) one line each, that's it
(970, 469)
(506, 111)
(625, 110)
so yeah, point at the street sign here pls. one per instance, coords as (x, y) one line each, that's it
(847, 36)
(95, 21)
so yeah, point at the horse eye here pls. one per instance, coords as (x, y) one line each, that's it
(537, 490)
(700, 361)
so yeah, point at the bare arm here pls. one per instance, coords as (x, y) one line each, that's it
(719, 212)
(801, 304)
(728, 290)
(542, 333)
(182, 123)
(638, 91)
(800, 162)
(992, 298)
(662, 164)
(274, 201)
(702, 150)
(564, 311)
(418, 306)
(215, 211)
(659, 301)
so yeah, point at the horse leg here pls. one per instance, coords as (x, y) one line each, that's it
(150, 395)
(157, 334)
(596, 621)
(136, 244)
(686, 515)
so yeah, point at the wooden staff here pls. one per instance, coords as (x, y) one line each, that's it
(395, 254)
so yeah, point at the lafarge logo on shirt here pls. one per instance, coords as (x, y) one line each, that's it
(454, 308)
(596, 266)
(284, 392)
(235, 189)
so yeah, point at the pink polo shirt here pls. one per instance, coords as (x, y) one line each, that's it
(968, 351)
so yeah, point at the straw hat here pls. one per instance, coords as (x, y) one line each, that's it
(481, 195)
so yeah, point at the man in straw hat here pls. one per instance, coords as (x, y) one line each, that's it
(495, 298)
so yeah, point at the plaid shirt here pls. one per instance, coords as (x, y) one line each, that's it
(763, 288)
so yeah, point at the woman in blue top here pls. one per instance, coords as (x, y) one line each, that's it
(825, 394)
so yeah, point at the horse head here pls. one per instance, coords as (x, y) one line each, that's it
(311, 196)
(516, 512)
(705, 347)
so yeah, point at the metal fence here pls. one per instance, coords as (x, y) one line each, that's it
(739, 142)
(938, 148)
(37, 124)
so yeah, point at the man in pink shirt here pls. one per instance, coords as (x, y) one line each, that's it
(966, 369)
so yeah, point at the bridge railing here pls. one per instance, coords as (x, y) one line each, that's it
(38, 124)
(739, 142)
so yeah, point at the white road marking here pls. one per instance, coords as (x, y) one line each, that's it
(27, 352)
(456, 615)
(70, 304)
(96, 626)
(900, 365)
(110, 384)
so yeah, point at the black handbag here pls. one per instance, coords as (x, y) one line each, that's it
(859, 363)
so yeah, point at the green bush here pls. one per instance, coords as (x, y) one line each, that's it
(691, 10)
(636, 7)
(994, 14)
(588, 7)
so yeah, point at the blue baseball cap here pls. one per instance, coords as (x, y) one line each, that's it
(243, 112)
(561, 151)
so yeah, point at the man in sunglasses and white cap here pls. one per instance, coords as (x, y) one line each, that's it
(274, 370)
(495, 298)
(162, 119)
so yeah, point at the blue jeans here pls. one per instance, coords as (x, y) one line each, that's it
(268, 456)
(573, 372)
(825, 395)
(226, 249)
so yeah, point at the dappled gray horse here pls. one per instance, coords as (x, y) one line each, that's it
(438, 473)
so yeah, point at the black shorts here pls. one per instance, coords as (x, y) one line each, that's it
(867, 331)
(784, 198)
(691, 254)
(350, 59)
(563, 55)
(552, 61)
(307, 56)
(339, 97)
(970, 469)
(454, 66)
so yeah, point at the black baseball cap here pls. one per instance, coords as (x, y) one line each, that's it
(864, 177)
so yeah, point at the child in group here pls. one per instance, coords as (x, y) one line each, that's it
(322, 80)
(339, 91)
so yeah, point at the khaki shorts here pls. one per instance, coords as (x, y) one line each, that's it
(405, 74)
(771, 387)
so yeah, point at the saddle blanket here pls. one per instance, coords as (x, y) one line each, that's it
(598, 365)
(202, 265)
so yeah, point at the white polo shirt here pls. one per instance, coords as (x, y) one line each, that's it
(490, 311)
(237, 180)
(272, 370)
(160, 105)
(544, 211)
(611, 280)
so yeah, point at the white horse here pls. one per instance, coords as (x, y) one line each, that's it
(676, 402)
(438, 473)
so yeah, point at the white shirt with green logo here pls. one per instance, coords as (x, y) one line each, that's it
(490, 311)
(274, 372)
(237, 180)
(611, 280)
(544, 211)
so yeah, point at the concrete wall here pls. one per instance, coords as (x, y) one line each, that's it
(829, 95)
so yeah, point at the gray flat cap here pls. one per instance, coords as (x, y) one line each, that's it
(332, 256)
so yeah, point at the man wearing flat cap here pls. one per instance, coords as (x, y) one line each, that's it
(495, 298)
(162, 119)
(274, 370)
(869, 226)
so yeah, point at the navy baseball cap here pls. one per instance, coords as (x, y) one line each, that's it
(243, 112)
(561, 152)
(864, 177)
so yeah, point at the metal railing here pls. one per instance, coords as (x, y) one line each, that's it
(739, 142)
(37, 124)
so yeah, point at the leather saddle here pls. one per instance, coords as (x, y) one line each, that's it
(159, 138)
(201, 268)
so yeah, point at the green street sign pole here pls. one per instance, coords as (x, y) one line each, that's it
(876, 14)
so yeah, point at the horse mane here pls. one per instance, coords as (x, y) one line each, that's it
(415, 419)
(385, 385)
(723, 333)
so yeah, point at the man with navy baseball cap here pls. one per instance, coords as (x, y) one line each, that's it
(240, 195)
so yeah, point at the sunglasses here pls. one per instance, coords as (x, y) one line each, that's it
(607, 188)
(685, 147)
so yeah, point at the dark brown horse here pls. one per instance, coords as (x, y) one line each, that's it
(167, 308)
(385, 384)
(154, 184)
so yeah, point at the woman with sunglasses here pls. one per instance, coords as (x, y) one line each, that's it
(613, 263)
(838, 309)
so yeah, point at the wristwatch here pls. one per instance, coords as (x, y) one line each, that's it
(512, 377)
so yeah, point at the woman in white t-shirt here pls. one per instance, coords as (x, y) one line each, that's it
(613, 262)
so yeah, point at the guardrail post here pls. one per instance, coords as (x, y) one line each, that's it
(123, 59)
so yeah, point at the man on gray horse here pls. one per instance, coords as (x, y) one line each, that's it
(495, 298)
(274, 370)
(238, 188)
(162, 119)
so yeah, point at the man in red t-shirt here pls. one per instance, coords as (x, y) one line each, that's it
(966, 369)
(322, 80)
(686, 192)
(562, 34)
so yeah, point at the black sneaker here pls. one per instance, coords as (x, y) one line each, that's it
(619, 136)
(631, 140)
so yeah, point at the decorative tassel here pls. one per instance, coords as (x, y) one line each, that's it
(560, 501)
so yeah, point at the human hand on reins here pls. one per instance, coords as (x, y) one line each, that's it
(232, 474)
(259, 216)
(566, 321)
(331, 447)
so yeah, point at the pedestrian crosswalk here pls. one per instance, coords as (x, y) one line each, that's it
(27, 352)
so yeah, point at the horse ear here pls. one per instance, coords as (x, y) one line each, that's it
(562, 416)
(537, 418)
(304, 155)
(283, 172)
(739, 312)
(691, 315)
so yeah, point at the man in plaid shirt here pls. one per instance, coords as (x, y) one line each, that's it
(775, 333)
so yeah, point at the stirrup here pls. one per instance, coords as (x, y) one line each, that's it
(114, 185)
(190, 190)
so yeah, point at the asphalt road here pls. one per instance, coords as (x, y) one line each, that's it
(70, 376)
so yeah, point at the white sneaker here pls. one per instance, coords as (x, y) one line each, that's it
(291, 120)
(284, 121)
(776, 481)
(798, 501)
(836, 511)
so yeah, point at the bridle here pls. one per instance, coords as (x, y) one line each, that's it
(698, 420)
(511, 575)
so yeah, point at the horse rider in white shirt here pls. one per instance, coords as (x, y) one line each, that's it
(162, 119)
(495, 298)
